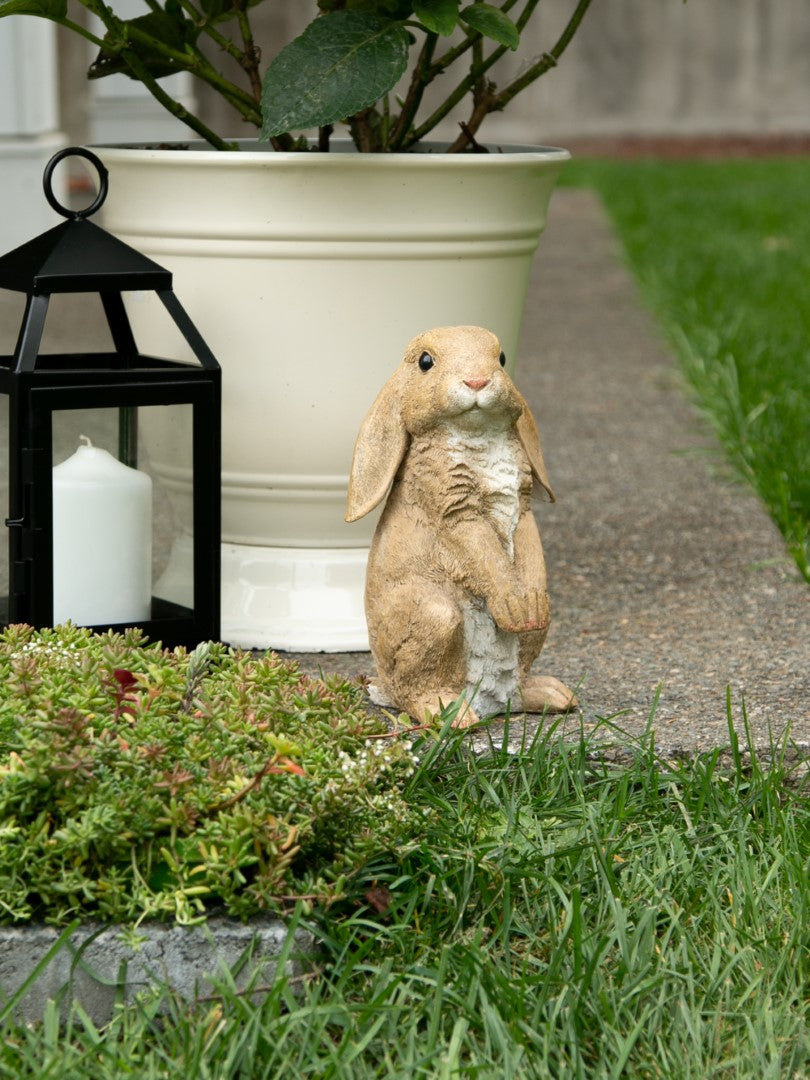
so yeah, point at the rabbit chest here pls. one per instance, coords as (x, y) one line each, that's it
(499, 481)
(490, 476)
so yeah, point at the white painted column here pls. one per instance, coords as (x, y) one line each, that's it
(29, 124)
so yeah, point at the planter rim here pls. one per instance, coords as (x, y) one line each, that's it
(343, 155)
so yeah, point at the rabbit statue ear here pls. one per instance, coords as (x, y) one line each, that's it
(378, 453)
(530, 440)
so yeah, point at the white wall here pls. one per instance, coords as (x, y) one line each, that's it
(29, 133)
(663, 67)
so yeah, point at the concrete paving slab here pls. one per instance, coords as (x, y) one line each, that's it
(663, 569)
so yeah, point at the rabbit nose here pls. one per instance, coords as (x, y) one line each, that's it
(476, 384)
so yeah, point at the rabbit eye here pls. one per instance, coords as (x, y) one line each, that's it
(502, 358)
(426, 362)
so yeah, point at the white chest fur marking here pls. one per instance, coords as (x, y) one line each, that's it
(492, 458)
(492, 661)
(492, 654)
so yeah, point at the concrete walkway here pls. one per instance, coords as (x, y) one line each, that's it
(663, 570)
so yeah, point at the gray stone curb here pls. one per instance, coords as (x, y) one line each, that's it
(97, 967)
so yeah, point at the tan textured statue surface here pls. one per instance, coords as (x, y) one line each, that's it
(456, 596)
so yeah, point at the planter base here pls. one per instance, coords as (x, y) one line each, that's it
(294, 599)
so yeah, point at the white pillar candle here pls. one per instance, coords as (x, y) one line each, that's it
(102, 540)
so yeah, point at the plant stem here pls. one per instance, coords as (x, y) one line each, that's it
(82, 31)
(251, 54)
(121, 33)
(385, 127)
(494, 102)
(448, 58)
(365, 130)
(548, 60)
(472, 80)
(526, 14)
(199, 66)
(201, 21)
(248, 59)
(170, 104)
(419, 81)
(467, 84)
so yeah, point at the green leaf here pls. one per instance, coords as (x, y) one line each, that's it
(223, 10)
(388, 9)
(46, 9)
(164, 28)
(492, 23)
(342, 63)
(440, 16)
(217, 10)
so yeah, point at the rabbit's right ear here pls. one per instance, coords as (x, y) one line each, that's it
(378, 453)
(530, 439)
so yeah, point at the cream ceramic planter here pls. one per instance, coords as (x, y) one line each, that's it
(307, 274)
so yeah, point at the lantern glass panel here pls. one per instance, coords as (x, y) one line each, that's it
(70, 426)
(123, 542)
(76, 323)
(167, 448)
(12, 307)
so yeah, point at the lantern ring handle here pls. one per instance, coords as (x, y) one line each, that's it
(103, 182)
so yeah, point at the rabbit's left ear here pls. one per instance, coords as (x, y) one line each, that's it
(530, 440)
(381, 445)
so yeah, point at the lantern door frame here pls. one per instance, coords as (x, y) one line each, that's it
(59, 385)
(79, 257)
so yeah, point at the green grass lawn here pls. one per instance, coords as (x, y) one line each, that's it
(722, 251)
(558, 917)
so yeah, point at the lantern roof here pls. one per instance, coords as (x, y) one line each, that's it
(78, 256)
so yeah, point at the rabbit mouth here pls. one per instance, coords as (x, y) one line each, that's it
(468, 399)
(485, 401)
(476, 408)
(483, 416)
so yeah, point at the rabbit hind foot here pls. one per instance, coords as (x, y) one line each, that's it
(544, 693)
(433, 705)
(380, 697)
(425, 706)
(466, 717)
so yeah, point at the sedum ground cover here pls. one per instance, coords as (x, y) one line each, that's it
(142, 783)
(722, 251)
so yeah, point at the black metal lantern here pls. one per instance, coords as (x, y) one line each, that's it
(79, 532)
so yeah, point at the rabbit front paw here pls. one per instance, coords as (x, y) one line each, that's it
(518, 613)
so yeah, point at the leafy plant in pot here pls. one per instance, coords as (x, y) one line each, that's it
(309, 263)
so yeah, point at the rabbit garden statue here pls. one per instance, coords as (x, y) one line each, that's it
(456, 598)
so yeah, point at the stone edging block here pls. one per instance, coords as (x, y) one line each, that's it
(97, 966)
